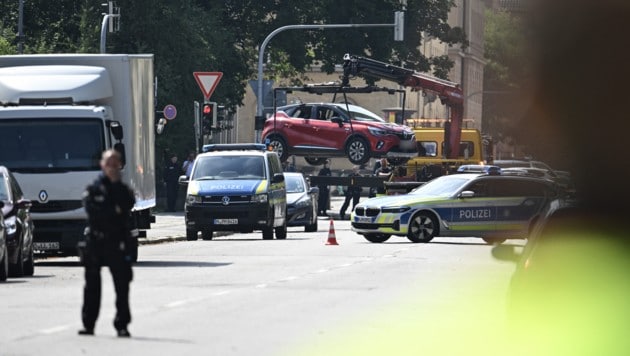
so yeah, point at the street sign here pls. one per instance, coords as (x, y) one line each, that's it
(207, 81)
(170, 112)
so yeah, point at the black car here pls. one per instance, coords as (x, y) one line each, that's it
(301, 202)
(18, 225)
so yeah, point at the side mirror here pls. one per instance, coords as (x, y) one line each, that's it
(277, 178)
(24, 204)
(505, 253)
(183, 180)
(160, 126)
(116, 130)
(120, 147)
(337, 120)
(466, 194)
(313, 190)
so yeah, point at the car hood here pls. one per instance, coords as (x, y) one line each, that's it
(385, 125)
(294, 197)
(227, 187)
(400, 200)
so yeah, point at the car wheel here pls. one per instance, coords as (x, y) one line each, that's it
(267, 233)
(4, 265)
(17, 269)
(206, 234)
(377, 238)
(315, 161)
(422, 227)
(29, 265)
(311, 227)
(358, 150)
(493, 240)
(191, 235)
(278, 144)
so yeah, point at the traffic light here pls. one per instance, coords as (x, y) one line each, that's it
(208, 117)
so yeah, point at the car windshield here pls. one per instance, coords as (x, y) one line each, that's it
(229, 167)
(360, 114)
(294, 184)
(441, 187)
(4, 191)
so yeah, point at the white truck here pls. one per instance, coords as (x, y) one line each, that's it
(58, 112)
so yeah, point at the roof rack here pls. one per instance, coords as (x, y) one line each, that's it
(234, 147)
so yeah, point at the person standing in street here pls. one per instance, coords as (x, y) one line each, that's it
(324, 193)
(353, 192)
(108, 203)
(188, 164)
(172, 171)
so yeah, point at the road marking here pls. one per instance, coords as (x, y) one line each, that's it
(55, 329)
(262, 285)
(177, 303)
(221, 293)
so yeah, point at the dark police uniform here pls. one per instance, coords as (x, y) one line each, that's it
(353, 192)
(324, 193)
(108, 206)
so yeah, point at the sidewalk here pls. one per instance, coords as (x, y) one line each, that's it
(169, 226)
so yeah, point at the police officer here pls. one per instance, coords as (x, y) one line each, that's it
(324, 193)
(108, 202)
(353, 192)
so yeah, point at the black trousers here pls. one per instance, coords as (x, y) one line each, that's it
(323, 199)
(98, 255)
(171, 195)
(355, 200)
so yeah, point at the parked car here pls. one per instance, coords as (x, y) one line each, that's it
(301, 202)
(18, 224)
(538, 168)
(493, 207)
(318, 131)
(4, 254)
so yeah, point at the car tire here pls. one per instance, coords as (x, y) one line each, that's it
(358, 150)
(267, 233)
(315, 161)
(279, 145)
(311, 227)
(4, 265)
(29, 265)
(207, 234)
(191, 235)
(422, 227)
(377, 238)
(493, 240)
(17, 269)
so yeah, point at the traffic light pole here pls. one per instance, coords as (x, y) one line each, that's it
(398, 25)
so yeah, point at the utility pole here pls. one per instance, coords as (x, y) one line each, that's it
(108, 18)
(21, 27)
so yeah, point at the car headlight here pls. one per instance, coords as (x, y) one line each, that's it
(395, 209)
(259, 198)
(193, 199)
(378, 131)
(11, 225)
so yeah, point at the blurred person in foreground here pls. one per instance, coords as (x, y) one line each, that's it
(108, 203)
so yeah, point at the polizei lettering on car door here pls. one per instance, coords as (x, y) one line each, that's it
(479, 214)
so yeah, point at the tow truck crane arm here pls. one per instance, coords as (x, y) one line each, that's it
(450, 93)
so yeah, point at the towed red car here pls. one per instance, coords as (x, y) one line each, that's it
(319, 131)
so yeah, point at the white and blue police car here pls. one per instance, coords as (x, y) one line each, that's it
(491, 206)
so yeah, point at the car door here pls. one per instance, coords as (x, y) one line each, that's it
(518, 202)
(329, 135)
(298, 129)
(473, 214)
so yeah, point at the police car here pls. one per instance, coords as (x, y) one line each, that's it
(493, 207)
(236, 187)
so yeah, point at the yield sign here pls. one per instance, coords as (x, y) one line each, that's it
(207, 82)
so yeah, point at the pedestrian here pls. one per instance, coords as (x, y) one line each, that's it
(172, 171)
(108, 203)
(188, 163)
(384, 170)
(324, 193)
(353, 192)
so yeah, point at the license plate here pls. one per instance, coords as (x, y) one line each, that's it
(363, 219)
(226, 221)
(43, 246)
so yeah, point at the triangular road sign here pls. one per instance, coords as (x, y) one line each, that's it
(207, 82)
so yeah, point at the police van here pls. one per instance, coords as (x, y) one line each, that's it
(492, 206)
(235, 187)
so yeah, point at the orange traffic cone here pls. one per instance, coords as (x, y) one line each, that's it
(332, 239)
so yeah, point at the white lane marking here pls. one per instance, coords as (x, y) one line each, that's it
(222, 293)
(55, 329)
(262, 285)
(177, 303)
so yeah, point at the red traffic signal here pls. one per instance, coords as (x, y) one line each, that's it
(207, 109)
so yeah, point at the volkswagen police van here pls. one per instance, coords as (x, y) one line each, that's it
(235, 187)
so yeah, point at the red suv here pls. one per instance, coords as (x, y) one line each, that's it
(318, 131)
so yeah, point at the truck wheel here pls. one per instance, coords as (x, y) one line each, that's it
(377, 238)
(422, 227)
(267, 233)
(29, 265)
(207, 234)
(4, 265)
(278, 144)
(191, 235)
(493, 240)
(358, 150)
(17, 269)
(315, 161)
(281, 232)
